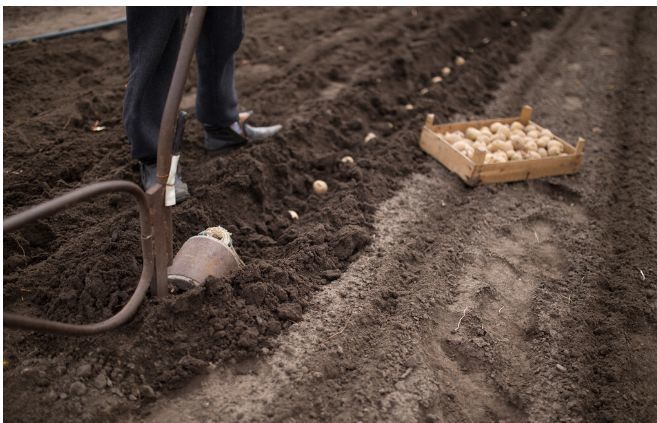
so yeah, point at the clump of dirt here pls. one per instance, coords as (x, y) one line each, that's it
(82, 265)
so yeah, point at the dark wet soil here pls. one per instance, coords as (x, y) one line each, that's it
(330, 76)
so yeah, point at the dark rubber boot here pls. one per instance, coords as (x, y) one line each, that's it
(237, 135)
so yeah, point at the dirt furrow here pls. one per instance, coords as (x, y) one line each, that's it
(513, 287)
(402, 295)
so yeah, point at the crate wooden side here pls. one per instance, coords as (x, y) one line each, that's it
(442, 151)
(529, 169)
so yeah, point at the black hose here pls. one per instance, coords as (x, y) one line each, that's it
(57, 34)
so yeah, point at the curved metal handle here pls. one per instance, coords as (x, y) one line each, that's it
(53, 206)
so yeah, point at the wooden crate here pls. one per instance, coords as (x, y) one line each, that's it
(474, 171)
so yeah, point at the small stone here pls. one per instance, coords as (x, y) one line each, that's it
(459, 61)
(409, 107)
(78, 388)
(446, 71)
(423, 91)
(84, 370)
(290, 311)
(437, 79)
(561, 368)
(100, 381)
(147, 392)
(331, 275)
(369, 137)
(132, 397)
(248, 338)
(51, 396)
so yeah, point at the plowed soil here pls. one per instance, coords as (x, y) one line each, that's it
(402, 294)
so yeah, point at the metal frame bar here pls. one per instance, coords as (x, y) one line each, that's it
(155, 217)
(65, 201)
(71, 31)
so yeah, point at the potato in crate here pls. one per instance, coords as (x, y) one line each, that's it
(500, 150)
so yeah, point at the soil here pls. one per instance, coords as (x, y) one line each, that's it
(27, 21)
(401, 295)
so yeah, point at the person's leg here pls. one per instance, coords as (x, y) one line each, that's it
(216, 99)
(154, 35)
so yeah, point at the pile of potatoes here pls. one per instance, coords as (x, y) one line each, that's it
(504, 143)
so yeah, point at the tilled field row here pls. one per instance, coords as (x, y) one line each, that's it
(401, 294)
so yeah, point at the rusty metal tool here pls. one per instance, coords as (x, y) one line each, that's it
(155, 218)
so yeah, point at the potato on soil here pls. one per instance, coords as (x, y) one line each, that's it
(369, 137)
(320, 187)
